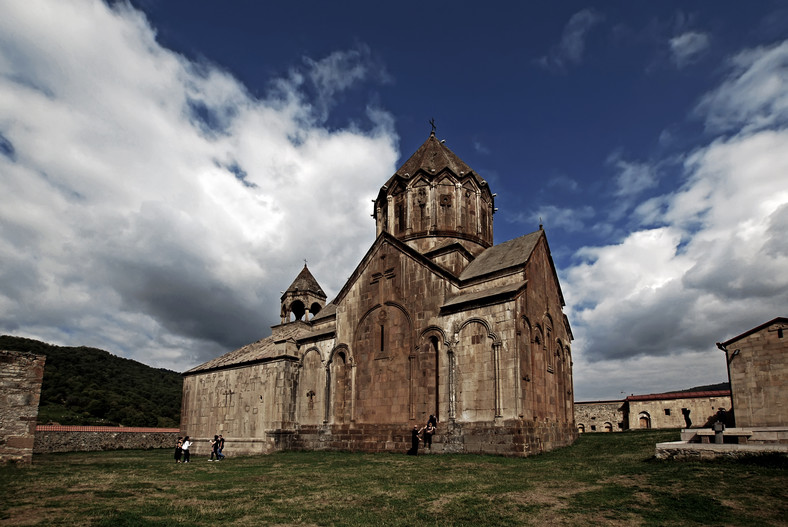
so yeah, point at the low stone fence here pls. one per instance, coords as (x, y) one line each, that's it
(56, 438)
(681, 450)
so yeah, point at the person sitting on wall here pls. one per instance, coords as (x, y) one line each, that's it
(428, 432)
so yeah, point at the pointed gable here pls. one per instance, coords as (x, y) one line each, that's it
(502, 256)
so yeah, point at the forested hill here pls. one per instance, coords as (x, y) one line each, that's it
(89, 386)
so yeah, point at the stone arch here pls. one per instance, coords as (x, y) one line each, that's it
(430, 371)
(446, 202)
(538, 373)
(338, 386)
(476, 371)
(314, 309)
(549, 342)
(383, 344)
(421, 204)
(563, 405)
(295, 311)
(310, 393)
(581, 428)
(608, 427)
(524, 385)
(644, 420)
(484, 323)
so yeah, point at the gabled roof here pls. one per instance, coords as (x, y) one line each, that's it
(450, 247)
(484, 297)
(406, 249)
(505, 255)
(329, 310)
(778, 320)
(258, 351)
(307, 283)
(678, 395)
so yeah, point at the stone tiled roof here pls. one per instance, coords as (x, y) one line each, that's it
(504, 291)
(433, 156)
(330, 309)
(502, 256)
(262, 349)
(306, 282)
(678, 395)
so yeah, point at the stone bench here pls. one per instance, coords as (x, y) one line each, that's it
(706, 435)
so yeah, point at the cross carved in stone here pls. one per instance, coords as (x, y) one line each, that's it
(228, 397)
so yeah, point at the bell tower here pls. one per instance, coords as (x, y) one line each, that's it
(435, 200)
(303, 298)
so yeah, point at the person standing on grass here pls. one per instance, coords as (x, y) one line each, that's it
(178, 449)
(414, 441)
(185, 449)
(215, 448)
(221, 446)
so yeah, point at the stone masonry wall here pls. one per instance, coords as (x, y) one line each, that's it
(667, 413)
(21, 375)
(600, 416)
(506, 438)
(759, 374)
(51, 439)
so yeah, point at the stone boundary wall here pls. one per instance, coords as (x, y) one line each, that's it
(593, 416)
(21, 375)
(54, 438)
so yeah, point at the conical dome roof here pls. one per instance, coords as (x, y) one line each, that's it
(433, 156)
(305, 282)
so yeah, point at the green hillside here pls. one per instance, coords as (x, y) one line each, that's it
(89, 386)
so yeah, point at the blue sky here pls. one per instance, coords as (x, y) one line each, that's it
(172, 163)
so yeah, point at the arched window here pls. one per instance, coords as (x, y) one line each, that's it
(297, 310)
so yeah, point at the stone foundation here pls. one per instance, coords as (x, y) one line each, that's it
(507, 438)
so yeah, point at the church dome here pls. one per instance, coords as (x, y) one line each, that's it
(435, 199)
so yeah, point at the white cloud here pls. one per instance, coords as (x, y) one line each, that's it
(573, 40)
(633, 178)
(716, 266)
(688, 47)
(158, 207)
(570, 219)
(755, 95)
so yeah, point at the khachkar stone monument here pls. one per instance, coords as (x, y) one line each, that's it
(435, 320)
(21, 375)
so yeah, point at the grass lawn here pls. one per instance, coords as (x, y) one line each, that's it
(603, 479)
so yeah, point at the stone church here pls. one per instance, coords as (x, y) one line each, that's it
(434, 320)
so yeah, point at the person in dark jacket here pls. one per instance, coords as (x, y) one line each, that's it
(414, 442)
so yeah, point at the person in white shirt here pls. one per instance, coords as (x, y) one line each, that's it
(185, 447)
